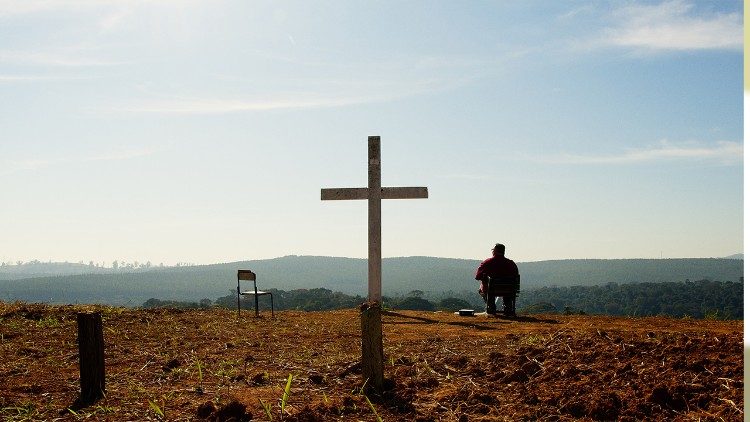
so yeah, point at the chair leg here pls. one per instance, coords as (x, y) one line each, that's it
(489, 303)
(271, 305)
(510, 306)
(491, 306)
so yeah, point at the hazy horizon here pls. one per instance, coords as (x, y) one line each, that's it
(151, 264)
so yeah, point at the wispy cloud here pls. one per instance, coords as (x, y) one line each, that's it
(13, 7)
(23, 78)
(465, 176)
(412, 80)
(8, 167)
(92, 23)
(54, 59)
(219, 106)
(37, 78)
(119, 155)
(60, 49)
(722, 152)
(27, 7)
(670, 26)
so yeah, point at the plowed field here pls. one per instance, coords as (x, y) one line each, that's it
(207, 364)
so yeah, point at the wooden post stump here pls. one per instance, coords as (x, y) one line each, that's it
(372, 345)
(91, 356)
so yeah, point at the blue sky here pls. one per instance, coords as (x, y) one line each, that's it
(185, 131)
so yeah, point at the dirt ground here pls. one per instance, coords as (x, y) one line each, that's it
(168, 364)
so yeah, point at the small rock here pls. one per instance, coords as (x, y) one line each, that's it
(206, 409)
(174, 363)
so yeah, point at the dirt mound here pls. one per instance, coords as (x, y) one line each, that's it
(210, 365)
(234, 411)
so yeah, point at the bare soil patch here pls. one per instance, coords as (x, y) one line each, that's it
(168, 364)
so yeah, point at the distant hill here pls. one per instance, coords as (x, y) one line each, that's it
(47, 269)
(36, 269)
(438, 276)
(736, 256)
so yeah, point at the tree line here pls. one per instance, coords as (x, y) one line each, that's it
(695, 299)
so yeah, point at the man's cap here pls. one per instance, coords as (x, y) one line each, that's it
(499, 246)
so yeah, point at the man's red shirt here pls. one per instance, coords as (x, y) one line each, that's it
(496, 266)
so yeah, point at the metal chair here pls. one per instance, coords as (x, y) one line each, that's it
(248, 275)
(505, 286)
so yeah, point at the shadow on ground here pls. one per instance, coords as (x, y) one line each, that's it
(477, 323)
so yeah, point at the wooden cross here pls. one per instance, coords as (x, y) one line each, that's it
(373, 193)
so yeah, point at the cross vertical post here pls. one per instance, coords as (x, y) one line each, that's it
(370, 316)
(374, 258)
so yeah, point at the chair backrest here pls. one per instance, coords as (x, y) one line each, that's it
(504, 284)
(245, 275)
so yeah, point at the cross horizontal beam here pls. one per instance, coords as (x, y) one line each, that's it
(333, 194)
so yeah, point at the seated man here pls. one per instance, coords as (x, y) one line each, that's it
(497, 266)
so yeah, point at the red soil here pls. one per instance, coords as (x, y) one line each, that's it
(207, 364)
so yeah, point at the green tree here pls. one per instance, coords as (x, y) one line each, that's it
(453, 304)
(416, 293)
(415, 304)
